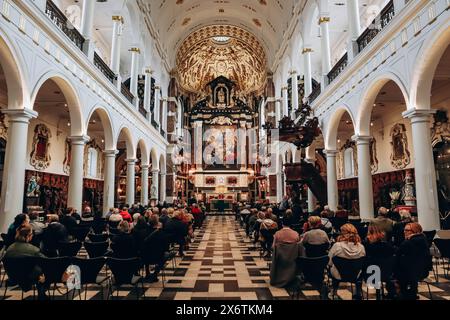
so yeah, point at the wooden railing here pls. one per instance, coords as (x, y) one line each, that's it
(315, 93)
(338, 68)
(104, 68)
(61, 21)
(142, 110)
(127, 94)
(378, 24)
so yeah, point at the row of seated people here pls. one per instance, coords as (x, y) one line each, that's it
(147, 236)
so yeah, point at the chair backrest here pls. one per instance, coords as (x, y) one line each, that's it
(113, 231)
(443, 246)
(113, 224)
(89, 268)
(98, 237)
(19, 271)
(349, 269)
(313, 269)
(123, 269)
(99, 226)
(81, 232)
(54, 268)
(69, 249)
(316, 250)
(385, 264)
(430, 236)
(96, 249)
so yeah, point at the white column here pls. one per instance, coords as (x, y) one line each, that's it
(14, 166)
(355, 26)
(279, 186)
(312, 201)
(425, 174)
(144, 184)
(277, 111)
(135, 52)
(294, 93)
(157, 109)
(284, 91)
(162, 191)
(87, 27)
(131, 181)
(75, 194)
(109, 180)
(164, 115)
(308, 73)
(116, 44)
(332, 189)
(198, 144)
(242, 145)
(155, 184)
(365, 189)
(324, 22)
(148, 91)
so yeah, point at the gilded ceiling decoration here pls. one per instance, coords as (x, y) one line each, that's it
(227, 51)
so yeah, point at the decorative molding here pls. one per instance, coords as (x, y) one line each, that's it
(3, 127)
(118, 18)
(400, 155)
(307, 50)
(324, 19)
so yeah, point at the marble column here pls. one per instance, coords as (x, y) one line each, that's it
(285, 109)
(308, 73)
(164, 114)
(14, 165)
(87, 27)
(280, 193)
(116, 47)
(425, 174)
(364, 177)
(324, 22)
(198, 144)
(332, 189)
(312, 201)
(109, 180)
(144, 184)
(155, 185)
(278, 111)
(353, 17)
(162, 191)
(135, 52)
(75, 194)
(131, 181)
(294, 92)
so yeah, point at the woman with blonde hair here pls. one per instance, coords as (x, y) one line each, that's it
(348, 246)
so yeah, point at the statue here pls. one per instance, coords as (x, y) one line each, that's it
(33, 187)
(153, 192)
(408, 189)
(221, 96)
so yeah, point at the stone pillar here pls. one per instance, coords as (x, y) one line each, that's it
(162, 191)
(312, 201)
(157, 109)
(284, 91)
(324, 22)
(109, 180)
(365, 189)
(242, 145)
(148, 91)
(280, 191)
(425, 174)
(75, 194)
(131, 181)
(87, 28)
(332, 189)
(308, 73)
(278, 111)
(144, 184)
(135, 52)
(354, 26)
(198, 144)
(116, 47)
(155, 185)
(164, 115)
(294, 98)
(14, 167)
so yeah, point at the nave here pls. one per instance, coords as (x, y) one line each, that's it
(222, 263)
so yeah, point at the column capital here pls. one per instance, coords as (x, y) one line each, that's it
(284, 88)
(130, 161)
(163, 174)
(20, 115)
(148, 70)
(311, 161)
(331, 153)
(110, 153)
(79, 140)
(324, 19)
(419, 115)
(292, 72)
(157, 87)
(360, 139)
(155, 171)
(135, 50)
(118, 18)
(145, 166)
(307, 50)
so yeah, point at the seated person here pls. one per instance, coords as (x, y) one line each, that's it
(286, 234)
(384, 223)
(126, 215)
(177, 231)
(69, 221)
(20, 220)
(140, 231)
(53, 235)
(123, 245)
(87, 215)
(37, 226)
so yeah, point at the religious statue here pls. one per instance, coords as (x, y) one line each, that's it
(408, 189)
(33, 187)
(400, 156)
(153, 192)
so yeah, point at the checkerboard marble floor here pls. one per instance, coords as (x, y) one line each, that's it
(223, 264)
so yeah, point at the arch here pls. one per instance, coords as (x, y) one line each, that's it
(333, 126)
(144, 152)
(131, 150)
(16, 83)
(106, 124)
(70, 94)
(310, 12)
(368, 98)
(154, 159)
(425, 67)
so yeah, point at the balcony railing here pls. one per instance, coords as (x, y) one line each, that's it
(143, 111)
(103, 67)
(61, 21)
(338, 68)
(377, 25)
(315, 93)
(127, 94)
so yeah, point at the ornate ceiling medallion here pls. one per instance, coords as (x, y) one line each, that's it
(222, 50)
